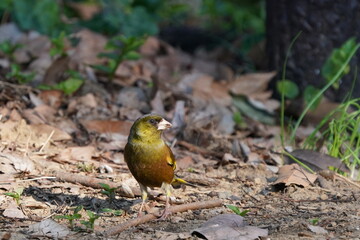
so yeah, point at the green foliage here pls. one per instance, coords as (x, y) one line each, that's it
(288, 88)
(241, 16)
(69, 86)
(314, 221)
(71, 217)
(237, 210)
(245, 18)
(124, 16)
(239, 119)
(90, 223)
(108, 191)
(113, 211)
(310, 93)
(8, 49)
(42, 16)
(58, 45)
(334, 63)
(341, 135)
(20, 77)
(16, 195)
(120, 48)
(334, 78)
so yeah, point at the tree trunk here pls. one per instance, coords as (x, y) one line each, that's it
(325, 25)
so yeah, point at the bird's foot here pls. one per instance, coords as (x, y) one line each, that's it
(144, 208)
(166, 213)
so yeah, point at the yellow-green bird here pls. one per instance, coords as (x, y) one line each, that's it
(149, 158)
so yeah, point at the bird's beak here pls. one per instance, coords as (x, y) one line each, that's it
(163, 124)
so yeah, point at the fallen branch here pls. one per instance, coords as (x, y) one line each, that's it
(146, 218)
(200, 150)
(92, 182)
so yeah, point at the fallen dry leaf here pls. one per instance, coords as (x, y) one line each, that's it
(49, 228)
(317, 161)
(87, 51)
(77, 153)
(52, 98)
(13, 211)
(107, 126)
(228, 226)
(13, 161)
(294, 174)
(317, 229)
(44, 131)
(150, 47)
(251, 84)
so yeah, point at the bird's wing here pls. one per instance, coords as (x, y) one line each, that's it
(170, 158)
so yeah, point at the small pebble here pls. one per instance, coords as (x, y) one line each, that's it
(324, 197)
(224, 195)
(257, 180)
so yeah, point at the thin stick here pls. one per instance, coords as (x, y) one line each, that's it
(37, 178)
(47, 140)
(131, 192)
(146, 218)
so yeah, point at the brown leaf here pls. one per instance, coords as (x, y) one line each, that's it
(205, 89)
(52, 98)
(107, 126)
(294, 174)
(85, 10)
(87, 51)
(55, 73)
(43, 130)
(150, 47)
(77, 153)
(251, 84)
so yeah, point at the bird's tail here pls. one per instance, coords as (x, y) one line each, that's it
(176, 182)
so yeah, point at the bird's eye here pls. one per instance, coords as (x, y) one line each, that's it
(152, 121)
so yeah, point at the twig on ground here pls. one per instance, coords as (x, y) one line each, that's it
(146, 218)
(345, 179)
(202, 151)
(47, 141)
(94, 183)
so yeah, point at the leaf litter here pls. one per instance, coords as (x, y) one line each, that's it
(79, 139)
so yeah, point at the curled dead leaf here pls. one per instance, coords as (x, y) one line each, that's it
(294, 174)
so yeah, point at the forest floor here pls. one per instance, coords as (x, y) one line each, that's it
(56, 149)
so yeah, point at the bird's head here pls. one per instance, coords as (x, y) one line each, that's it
(148, 127)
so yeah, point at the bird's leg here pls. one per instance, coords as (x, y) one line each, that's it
(168, 189)
(144, 195)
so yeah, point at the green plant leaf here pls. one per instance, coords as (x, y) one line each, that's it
(132, 55)
(237, 211)
(102, 68)
(309, 93)
(42, 16)
(335, 61)
(234, 209)
(288, 88)
(70, 85)
(110, 55)
(105, 186)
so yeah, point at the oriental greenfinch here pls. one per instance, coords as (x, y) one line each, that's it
(149, 158)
